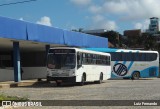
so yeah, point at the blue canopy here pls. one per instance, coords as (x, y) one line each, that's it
(14, 29)
(84, 40)
(40, 33)
(75, 39)
(20, 30)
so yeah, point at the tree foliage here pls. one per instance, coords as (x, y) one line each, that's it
(115, 38)
(111, 35)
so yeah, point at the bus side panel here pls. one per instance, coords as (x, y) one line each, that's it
(107, 75)
(150, 72)
(93, 72)
(150, 69)
(79, 73)
(116, 69)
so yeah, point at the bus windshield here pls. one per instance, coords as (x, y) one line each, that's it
(61, 61)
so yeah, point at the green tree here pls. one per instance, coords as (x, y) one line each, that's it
(112, 36)
(150, 42)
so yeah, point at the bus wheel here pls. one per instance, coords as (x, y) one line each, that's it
(135, 75)
(100, 78)
(83, 80)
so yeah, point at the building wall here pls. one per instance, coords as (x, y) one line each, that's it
(154, 25)
(28, 73)
(32, 63)
(132, 33)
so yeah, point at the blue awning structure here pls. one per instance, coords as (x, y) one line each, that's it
(21, 30)
(14, 29)
(44, 34)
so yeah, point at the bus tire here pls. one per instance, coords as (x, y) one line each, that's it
(83, 80)
(135, 75)
(100, 78)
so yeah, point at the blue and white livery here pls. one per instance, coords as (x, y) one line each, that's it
(133, 64)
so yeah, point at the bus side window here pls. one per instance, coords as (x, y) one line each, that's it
(108, 60)
(79, 60)
(83, 58)
(89, 58)
(94, 59)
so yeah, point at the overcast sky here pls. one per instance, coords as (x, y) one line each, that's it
(118, 15)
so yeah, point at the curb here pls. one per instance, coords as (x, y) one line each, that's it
(19, 84)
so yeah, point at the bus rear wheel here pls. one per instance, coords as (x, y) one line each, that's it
(83, 80)
(136, 75)
(100, 78)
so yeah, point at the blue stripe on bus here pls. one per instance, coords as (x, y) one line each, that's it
(130, 65)
(143, 73)
(146, 72)
(116, 62)
(113, 75)
(124, 62)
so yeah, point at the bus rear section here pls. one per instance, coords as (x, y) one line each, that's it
(135, 64)
(77, 66)
(93, 66)
(132, 64)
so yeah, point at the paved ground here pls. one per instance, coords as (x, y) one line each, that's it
(145, 89)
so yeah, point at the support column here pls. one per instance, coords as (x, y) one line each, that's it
(47, 50)
(16, 59)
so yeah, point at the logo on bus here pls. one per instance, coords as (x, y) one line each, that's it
(120, 69)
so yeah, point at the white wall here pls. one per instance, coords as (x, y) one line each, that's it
(28, 73)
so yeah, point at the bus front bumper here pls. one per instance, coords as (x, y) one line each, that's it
(62, 79)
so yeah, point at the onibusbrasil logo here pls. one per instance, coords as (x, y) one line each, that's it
(6, 104)
(120, 69)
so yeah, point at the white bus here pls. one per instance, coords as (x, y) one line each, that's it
(132, 64)
(77, 65)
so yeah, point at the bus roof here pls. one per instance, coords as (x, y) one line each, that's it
(83, 50)
(118, 50)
